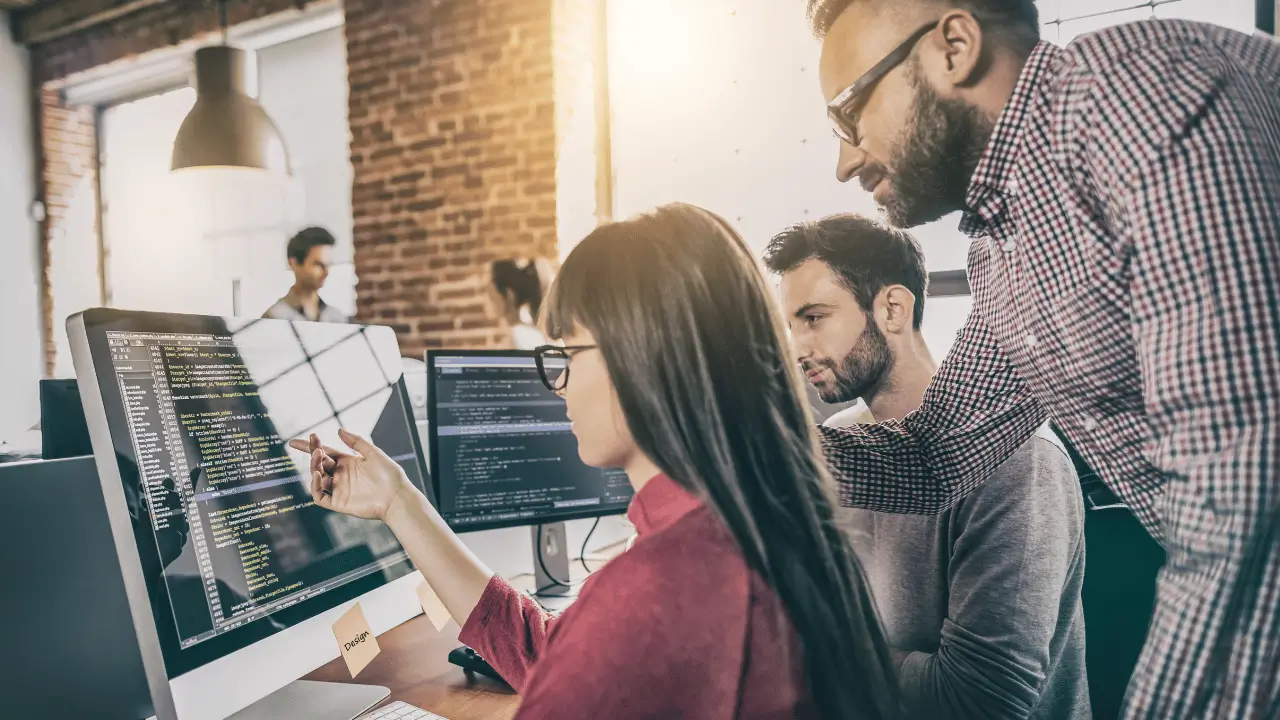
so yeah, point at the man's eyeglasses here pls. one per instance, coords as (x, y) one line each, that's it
(843, 109)
(553, 364)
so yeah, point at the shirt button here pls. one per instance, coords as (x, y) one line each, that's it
(1089, 423)
(1031, 340)
(1012, 187)
(1008, 245)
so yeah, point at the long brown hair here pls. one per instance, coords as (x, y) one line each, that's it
(696, 350)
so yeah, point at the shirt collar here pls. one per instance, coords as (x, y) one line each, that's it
(297, 307)
(990, 177)
(659, 504)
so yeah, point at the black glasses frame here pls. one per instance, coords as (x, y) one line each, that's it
(562, 352)
(842, 110)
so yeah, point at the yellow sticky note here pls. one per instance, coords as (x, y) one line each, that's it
(356, 640)
(436, 612)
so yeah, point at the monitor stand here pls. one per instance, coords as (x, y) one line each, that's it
(553, 538)
(311, 700)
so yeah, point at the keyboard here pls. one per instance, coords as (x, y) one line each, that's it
(398, 710)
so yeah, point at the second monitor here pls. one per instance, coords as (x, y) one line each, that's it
(502, 452)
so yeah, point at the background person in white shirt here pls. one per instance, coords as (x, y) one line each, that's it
(310, 255)
(517, 286)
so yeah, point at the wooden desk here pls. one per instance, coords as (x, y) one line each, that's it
(414, 664)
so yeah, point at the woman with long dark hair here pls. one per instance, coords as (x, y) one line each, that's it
(740, 598)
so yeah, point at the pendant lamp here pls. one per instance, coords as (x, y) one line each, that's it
(226, 127)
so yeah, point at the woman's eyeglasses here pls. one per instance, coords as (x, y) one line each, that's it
(553, 364)
(843, 109)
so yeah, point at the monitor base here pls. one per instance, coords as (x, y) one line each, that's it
(310, 700)
(551, 559)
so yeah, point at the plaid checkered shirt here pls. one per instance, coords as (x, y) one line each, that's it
(1126, 282)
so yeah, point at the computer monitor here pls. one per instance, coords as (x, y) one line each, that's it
(234, 577)
(502, 452)
(63, 432)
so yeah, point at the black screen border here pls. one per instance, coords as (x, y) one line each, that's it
(434, 450)
(177, 661)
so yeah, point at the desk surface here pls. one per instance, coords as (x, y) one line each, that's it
(414, 664)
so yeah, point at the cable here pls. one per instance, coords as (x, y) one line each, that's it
(582, 554)
(222, 19)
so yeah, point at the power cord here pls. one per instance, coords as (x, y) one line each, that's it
(581, 553)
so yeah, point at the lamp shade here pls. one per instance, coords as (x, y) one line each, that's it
(226, 127)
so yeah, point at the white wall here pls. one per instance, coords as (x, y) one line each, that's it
(21, 350)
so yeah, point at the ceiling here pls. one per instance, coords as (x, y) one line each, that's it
(37, 21)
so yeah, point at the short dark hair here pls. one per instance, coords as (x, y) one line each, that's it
(300, 245)
(865, 255)
(1017, 20)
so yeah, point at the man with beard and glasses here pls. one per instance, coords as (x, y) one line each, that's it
(981, 603)
(1124, 195)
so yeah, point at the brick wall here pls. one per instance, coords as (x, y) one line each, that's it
(453, 116)
(453, 145)
(69, 161)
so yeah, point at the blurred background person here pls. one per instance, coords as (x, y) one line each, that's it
(516, 287)
(310, 255)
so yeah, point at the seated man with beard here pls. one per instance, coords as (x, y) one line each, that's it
(982, 602)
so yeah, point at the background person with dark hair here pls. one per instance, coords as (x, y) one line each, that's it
(981, 603)
(310, 254)
(1124, 195)
(517, 287)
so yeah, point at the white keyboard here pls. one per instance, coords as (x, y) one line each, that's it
(399, 710)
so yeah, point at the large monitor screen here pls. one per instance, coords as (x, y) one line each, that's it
(502, 452)
(199, 410)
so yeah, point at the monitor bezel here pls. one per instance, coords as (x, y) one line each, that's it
(433, 450)
(87, 334)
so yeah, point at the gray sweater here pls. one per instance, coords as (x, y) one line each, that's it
(986, 596)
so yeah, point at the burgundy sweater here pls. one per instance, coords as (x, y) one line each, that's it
(676, 627)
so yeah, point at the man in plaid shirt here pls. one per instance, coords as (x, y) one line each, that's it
(1124, 198)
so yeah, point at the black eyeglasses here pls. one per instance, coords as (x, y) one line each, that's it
(553, 363)
(843, 108)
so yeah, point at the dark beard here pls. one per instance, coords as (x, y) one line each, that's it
(861, 373)
(940, 149)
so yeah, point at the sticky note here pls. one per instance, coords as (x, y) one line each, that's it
(356, 640)
(436, 612)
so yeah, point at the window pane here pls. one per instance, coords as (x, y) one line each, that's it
(1048, 10)
(1235, 14)
(1074, 28)
(1086, 8)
